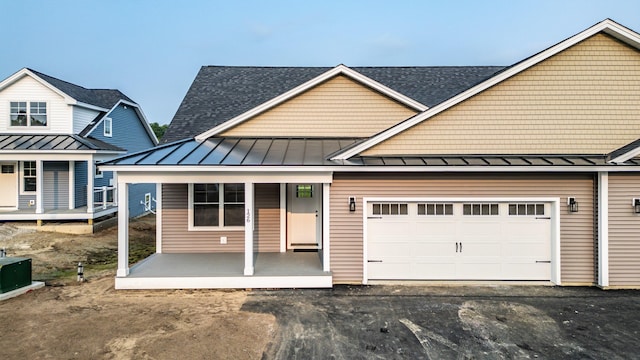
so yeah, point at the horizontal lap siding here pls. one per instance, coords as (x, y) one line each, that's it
(584, 100)
(577, 236)
(338, 107)
(176, 237)
(267, 218)
(624, 230)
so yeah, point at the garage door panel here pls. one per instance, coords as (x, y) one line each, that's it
(527, 271)
(382, 250)
(478, 246)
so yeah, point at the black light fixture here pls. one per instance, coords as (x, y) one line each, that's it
(352, 203)
(636, 205)
(572, 204)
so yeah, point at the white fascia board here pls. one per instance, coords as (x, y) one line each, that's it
(338, 70)
(66, 155)
(26, 72)
(366, 169)
(626, 156)
(89, 106)
(607, 26)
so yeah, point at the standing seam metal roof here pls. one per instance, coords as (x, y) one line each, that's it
(28, 142)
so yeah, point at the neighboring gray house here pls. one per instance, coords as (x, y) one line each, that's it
(52, 133)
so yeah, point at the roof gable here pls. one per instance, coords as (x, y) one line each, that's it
(338, 107)
(102, 99)
(608, 27)
(221, 93)
(338, 70)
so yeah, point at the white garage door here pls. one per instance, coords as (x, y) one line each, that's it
(459, 241)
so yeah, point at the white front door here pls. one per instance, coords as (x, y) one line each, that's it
(304, 216)
(8, 185)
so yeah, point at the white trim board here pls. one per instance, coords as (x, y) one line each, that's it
(607, 26)
(338, 70)
(555, 224)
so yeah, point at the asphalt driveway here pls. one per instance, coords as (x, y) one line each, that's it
(420, 322)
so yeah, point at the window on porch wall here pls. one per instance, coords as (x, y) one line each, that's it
(212, 202)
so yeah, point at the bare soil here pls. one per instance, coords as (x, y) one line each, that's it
(91, 320)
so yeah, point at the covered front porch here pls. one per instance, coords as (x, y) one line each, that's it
(226, 270)
(257, 251)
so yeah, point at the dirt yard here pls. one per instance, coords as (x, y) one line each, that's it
(91, 320)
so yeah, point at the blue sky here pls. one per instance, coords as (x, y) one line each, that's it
(152, 49)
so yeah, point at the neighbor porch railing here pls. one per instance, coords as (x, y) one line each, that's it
(104, 197)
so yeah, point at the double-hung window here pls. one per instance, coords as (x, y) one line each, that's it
(108, 127)
(28, 114)
(216, 205)
(28, 176)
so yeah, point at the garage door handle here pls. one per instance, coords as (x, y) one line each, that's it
(543, 218)
(374, 217)
(543, 261)
(456, 247)
(375, 261)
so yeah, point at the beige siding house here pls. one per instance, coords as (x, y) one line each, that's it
(309, 177)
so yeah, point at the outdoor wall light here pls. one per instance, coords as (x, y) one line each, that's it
(352, 203)
(636, 205)
(572, 204)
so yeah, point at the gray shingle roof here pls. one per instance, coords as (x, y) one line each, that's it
(104, 98)
(220, 93)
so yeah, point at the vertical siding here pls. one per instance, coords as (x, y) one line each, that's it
(56, 185)
(59, 114)
(624, 230)
(584, 100)
(267, 218)
(338, 107)
(576, 229)
(80, 174)
(176, 238)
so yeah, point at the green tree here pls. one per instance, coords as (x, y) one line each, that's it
(158, 129)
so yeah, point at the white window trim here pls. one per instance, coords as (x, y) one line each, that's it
(555, 213)
(105, 127)
(21, 179)
(220, 212)
(28, 126)
(98, 174)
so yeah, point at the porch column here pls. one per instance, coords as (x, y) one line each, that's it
(123, 230)
(39, 187)
(283, 217)
(603, 229)
(91, 171)
(326, 214)
(248, 228)
(159, 218)
(72, 185)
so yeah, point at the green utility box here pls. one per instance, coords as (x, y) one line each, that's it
(14, 273)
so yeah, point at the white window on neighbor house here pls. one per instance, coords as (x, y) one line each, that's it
(108, 127)
(28, 113)
(216, 206)
(98, 172)
(147, 201)
(28, 184)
